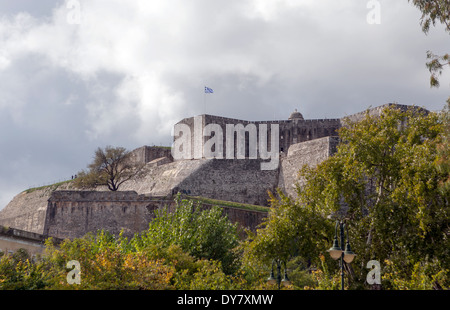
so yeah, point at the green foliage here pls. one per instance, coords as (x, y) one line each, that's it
(325, 279)
(443, 148)
(18, 272)
(189, 249)
(423, 276)
(386, 181)
(291, 229)
(231, 204)
(300, 275)
(106, 263)
(202, 233)
(434, 11)
(51, 187)
(392, 186)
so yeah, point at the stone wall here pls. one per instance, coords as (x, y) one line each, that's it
(72, 214)
(160, 180)
(231, 180)
(309, 153)
(12, 240)
(378, 110)
(47, 211)
(228, 179)
(28, 209)
(290, 132)
(53, 211)
(146, 154)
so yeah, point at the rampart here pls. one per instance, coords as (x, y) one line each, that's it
(11, 240)
(146, 154)
(309, 153)
(291, 131)
(60, 211)
(72, 214)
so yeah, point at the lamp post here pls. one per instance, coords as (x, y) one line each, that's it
(278, 280)
(337, 251)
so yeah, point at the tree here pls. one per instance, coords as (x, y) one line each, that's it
(291, 229)
(117, 263)
(384, 180)
(443, 162)
(432, 11)
(111, 167)
(390, 185)
(204, 233)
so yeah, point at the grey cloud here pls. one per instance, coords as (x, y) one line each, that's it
(126, 74)
(41, 8)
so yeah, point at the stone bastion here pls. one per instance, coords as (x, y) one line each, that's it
(64, 212)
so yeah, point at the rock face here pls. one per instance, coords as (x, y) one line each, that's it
(62, 211)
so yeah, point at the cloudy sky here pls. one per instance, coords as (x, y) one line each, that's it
(76, 75)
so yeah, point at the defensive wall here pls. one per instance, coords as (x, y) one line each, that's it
(60, 211)
(291, 131)
(63, 212)
(27, 210)
(12, 240)
(72, 214)
(146, 154)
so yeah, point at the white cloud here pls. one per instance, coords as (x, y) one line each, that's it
(131, 69)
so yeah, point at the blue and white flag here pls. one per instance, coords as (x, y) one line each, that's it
(208, 90)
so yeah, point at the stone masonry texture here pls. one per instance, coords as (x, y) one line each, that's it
(65, 212)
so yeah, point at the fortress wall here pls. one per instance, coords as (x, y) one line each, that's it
(72, 214)
(27, 210)
(235, 180)
(223, 122)
(246, 219)
(191, 122)
(297, 131)
(309, 153)
(146, 154)
(231, 180)
(377, 111)
(12, 240)
(159, 180)
(290, 131)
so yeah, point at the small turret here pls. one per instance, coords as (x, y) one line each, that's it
(296, 115)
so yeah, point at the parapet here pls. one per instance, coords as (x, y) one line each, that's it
(79, 196)
(146, 154)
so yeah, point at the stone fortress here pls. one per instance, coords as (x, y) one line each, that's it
(61, 211)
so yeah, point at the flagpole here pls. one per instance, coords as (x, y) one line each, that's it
(207, 91)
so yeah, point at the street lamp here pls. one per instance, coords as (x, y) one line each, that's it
(337, 251)
(272, 280)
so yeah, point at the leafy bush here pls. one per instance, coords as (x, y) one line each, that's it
(204, 234)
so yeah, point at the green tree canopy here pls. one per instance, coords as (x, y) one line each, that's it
(206, 233)
(434, 11)
(385, 182)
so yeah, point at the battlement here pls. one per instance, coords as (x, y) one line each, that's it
(66, 213)
(79, 196)
(291, 131)
(378, 110)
